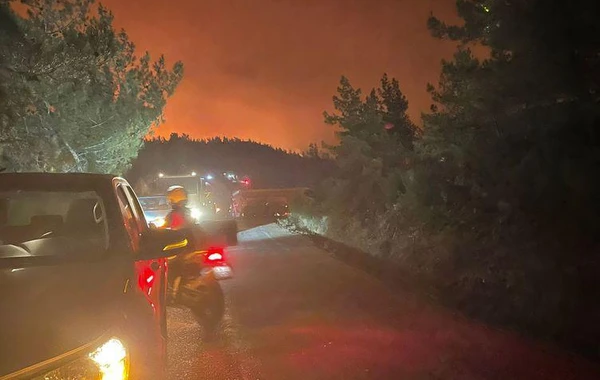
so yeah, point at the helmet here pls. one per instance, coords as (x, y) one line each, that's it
(177, 195)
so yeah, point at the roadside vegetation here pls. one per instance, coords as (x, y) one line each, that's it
(74, 96)
(495, 201)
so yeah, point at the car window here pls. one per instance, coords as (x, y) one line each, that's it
(136, 208)
(131, 225)
(154, 203)
(27, 216)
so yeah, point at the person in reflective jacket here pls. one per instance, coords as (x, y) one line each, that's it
(180, 216)
(187, 285)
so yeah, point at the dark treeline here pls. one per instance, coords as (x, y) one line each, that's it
(266, 167)
(495, 202)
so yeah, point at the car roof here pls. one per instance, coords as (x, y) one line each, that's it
(60, 180)
(66, 175)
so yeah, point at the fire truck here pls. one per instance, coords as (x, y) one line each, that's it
(200, 202)
(199, 193)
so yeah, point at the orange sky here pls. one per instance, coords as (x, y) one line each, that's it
(267, 69)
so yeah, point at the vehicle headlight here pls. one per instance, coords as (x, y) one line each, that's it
(196, 213)
(159, 222)
(110, 361)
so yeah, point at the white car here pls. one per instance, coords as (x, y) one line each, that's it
(156, 208)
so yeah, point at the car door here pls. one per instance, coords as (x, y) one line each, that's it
(150, 275)
(146, 323)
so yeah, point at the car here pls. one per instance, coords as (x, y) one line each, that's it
(83, 279)
(278, 209)
(155, 208)
(255, 210)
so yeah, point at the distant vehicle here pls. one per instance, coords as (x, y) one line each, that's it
(255, 210)
(278, 209)
(249, 203)
(200, 202)
(155, 209)
(83, 279)
(272, 210)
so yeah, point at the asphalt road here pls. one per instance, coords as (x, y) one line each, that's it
(294, 312)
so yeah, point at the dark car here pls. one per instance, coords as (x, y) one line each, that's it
(255, 210)
(83, 279)
(278, 209)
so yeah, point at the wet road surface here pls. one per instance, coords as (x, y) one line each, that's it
(294, 312)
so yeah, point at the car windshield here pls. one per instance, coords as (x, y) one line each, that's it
(28, 216)
(154, 203)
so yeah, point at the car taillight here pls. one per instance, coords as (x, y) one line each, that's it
(146, 280)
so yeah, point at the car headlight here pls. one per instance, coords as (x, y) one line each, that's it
(196, 213)
(110, 361)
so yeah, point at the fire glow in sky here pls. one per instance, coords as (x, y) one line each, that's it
(266, 70)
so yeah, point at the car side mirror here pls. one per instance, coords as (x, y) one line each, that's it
(156, 244)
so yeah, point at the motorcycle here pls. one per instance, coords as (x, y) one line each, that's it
(194, 283)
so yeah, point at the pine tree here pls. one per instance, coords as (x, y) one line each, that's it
(512, 150)
(312, 151)
(376, 138)
(509, 128)
(78, 99)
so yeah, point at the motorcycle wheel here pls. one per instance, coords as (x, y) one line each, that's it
(209, 313)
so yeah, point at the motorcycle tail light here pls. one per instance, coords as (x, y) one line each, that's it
(215, 255)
